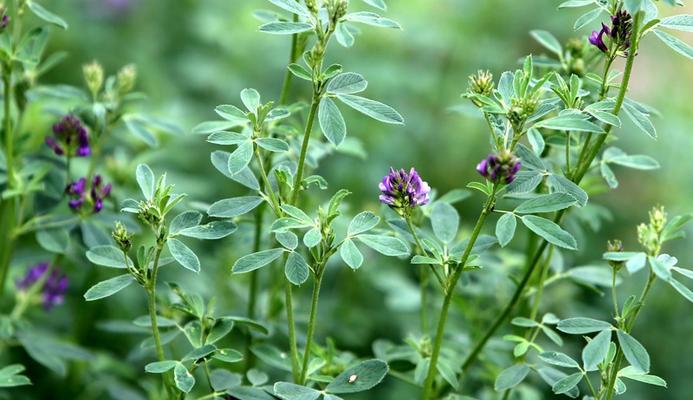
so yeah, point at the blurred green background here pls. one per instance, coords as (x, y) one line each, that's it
(194, 55)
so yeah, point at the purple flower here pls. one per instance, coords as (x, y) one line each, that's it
(4, 21)
(54, 286)
(597, 38)
(403, 191)
(54, 289)
(94, 196)
(619, 34)
(70, 137)
(32, 275)
(499, 168)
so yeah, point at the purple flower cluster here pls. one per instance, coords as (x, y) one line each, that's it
(54, 286)
(404, 191)
(70, 136)
(619, 33)
(499, 168)
(4, 21)
(94, 197)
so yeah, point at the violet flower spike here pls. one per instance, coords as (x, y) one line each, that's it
(54, 290)
(70, 137)
(403, 191)
(597, 38)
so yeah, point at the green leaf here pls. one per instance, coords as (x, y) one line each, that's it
(233, 207)
(138, 128)
(301, 72)
(386, 245)
(108, 256)
(596, 350)
(9, 376)
(211, 231)
(220, 160)
(633, 374)
(536, 140)
(570, 122)
(363, 222)
(559, 359)
(291, 6)
(587, 17)
(312, 238)
(184, 220)
(675, 43)
(108, 287)
(46, 15)
(524, 322)
(222, 380)
(377, 4)
(567, 383)
(682, 289)
(159, 367)
(372, 108)
(581, 325)
(228, 356)
(546, 203)
(632, 6)
(240, 158)
(183, 379)
(257, 260)
(272, 144)
(296, 269)
(634, 352)
(445, 221)
(505, 229)
(373, 19)
(529, 159)
(331, 121)
(511, 377)
(682, 22)
(146, 180)
(347, 83)
(547, 40)
(208, 127)
(183, 255)
(221, 328)
(359, 378)
(562, 184)
(640, 119)
(576, 3)
(54, 240)
(550, 231)
(291, 391)
(285, 28)
(351, 254)
(231, 113)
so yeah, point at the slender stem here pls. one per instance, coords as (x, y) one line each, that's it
(614, 298)
(252, 293)
(577, 178)
(423, 278)
(567, 153)
(628, 326)
(311, 325)
(589, 384)
(420, 248)
(151, 297)
(266, 182)
(288, 76)
(7, 211)
(304, 148)
(291, 321)
(449, 293)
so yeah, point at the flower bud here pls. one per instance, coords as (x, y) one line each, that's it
(499, 168)
(149, 213)
(521, 109)
(125, 81)
(481, 83)
(93, 76)
(122, 237)
(337, 9)
(615, 246)
(658, 218)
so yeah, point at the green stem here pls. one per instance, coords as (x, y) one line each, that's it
(577, 178)
(449, 293)
(266, 182)
(288, 76)
(311, 325)
(304, 149)
(628, 327)
(291, 321)
(253, 291)
(151, 297)
(7, 211)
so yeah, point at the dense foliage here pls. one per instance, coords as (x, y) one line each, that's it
(86, 222)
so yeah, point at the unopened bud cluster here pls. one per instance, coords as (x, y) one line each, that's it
(122, 237)
(93, 76)
(649, 234)
(481, 83)
(615, 246)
